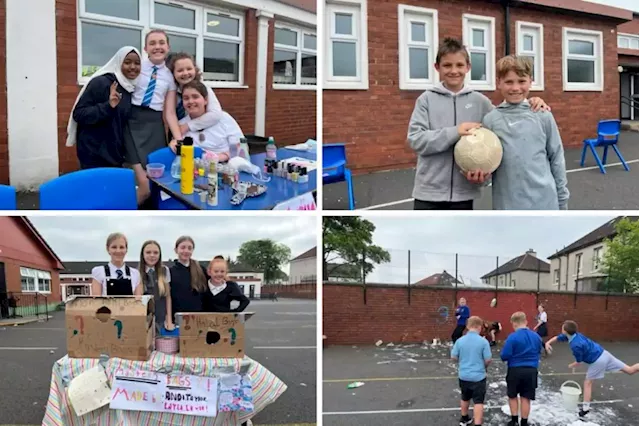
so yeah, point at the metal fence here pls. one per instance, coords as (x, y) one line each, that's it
(24, 305)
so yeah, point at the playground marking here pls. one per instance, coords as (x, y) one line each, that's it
(284, 347)
(30, 348)
(430, 410)
(401, 379)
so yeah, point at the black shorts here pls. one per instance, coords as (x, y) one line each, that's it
(522, 381)
(473, 390)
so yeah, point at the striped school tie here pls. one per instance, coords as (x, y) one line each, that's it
(180, 111)
(148, 96)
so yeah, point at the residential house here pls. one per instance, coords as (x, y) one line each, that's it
(29, 269)
(379, 57)
(525, 272)
(259, 56)
(580, 263)
(628, 67)
(442, 279)
(302, 269)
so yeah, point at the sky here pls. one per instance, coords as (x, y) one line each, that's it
(434, 241)
(84, 238)
(625, 4)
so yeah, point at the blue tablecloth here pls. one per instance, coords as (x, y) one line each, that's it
(278, 189)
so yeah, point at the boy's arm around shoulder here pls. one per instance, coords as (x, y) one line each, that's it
(422, 138)
(555, 155)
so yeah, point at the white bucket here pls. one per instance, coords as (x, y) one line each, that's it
(570, 395)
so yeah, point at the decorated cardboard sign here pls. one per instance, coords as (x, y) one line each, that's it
(212, 335)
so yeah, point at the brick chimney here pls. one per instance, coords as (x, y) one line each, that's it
(532, 252)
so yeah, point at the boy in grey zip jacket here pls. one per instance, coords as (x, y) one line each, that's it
(532, 174)
(442, 115)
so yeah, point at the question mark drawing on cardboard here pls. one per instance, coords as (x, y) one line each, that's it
(233, 335)
(186, 320)
(80, 320)
(118, 324)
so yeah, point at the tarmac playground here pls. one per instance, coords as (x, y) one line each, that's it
(418, 385)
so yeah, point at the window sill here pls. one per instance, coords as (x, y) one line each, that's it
(211, 84)
(537, 89)
(346, 85)
(567, 87)
(416, 86)
(293, 87)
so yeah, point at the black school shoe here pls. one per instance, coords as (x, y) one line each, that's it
(466, 422)
(513, 423)
(582, 414)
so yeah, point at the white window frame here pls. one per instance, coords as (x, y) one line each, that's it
(629, 38)
(298, 50)
(578, 262)
(597, 259)
(501, 281)
(35, 275)
(146, 23)
(556, 276)
(469, 22)
(537, 32)
(594, 37)
(358, 8)
(428, 17)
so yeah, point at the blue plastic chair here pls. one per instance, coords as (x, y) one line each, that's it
(608, 134)
(166, 156)
(334, 168)
(7, 197)
(91, 189)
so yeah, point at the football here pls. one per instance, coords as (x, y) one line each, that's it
(481, 150)
(494, 302)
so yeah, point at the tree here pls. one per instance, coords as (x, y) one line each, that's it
(266, 256)
(350, 238)
(621, 257)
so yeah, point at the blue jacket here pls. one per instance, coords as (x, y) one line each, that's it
(584, 349)
(464, 314)
(522, 349)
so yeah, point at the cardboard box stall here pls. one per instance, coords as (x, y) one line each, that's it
(121, 327)
(212, 335)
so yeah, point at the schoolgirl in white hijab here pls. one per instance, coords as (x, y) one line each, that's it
(100, 113)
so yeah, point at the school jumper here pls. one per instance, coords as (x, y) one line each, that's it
(151, 288)
(463, 313)
(183, 297)
(532, 174)
(100, 137)
(433, 134)
(146, 126)
(521, 351)
(221, 301)
(586, 350)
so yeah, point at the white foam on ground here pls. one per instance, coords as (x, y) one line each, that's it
(494, 385)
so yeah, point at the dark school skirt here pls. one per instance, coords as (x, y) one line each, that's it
(144, 135)
(542, 330)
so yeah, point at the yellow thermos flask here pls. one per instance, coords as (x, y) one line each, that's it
(186, 166)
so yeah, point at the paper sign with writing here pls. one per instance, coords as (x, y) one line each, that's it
(303, 202)
(169, 393)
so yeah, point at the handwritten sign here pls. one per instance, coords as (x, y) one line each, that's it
(169, 393)
(303, 202)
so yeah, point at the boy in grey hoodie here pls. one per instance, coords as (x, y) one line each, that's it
(532, 174)
(442, 115)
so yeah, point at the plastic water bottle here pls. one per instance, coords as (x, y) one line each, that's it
(271, 148)
(234, 146)
(175, 166)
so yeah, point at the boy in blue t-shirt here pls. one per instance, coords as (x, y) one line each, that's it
(521, 351)
(473, 355)
(462, 314)
(586, 350)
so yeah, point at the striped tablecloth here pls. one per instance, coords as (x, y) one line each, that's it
(266, 389)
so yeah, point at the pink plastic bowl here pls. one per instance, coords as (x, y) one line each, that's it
(155, 170)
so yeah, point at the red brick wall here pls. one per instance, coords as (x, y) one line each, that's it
(374, 122)
(389, 317)
(630, 27)
(4, 137)
(295, 291)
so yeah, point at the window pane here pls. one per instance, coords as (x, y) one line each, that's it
(310, 42)
(284, 36)
(623, 42)
(175, 16)
(478, 38)
(308, 69)
(581, 71)
(183, 44)
(221, 60)
(344, 59)
(418, 63)
(580, 47)
(128, 9)
(478, 67)
(220, 24)
(100, 43)
(527, 43)
(418, 31)
(344, 23)
(634, 43)
(284, 67)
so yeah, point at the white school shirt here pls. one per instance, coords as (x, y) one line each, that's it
(216, 137)
(207, 120)
(98, 274)
(164, 84)
(542, 317)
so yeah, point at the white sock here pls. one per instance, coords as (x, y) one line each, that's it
(586, 406)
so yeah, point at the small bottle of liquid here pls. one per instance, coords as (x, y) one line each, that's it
(304, 177)
(212, 188)
(243, 144)
(294, 175)
(275, 169)
(289, 171)
(234, 146)
(271, 149)
(175, 165)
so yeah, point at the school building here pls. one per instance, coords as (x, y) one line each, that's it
(259, 56)
(379, 57)
(29, 270)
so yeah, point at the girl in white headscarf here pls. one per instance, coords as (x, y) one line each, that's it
(102, 109)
